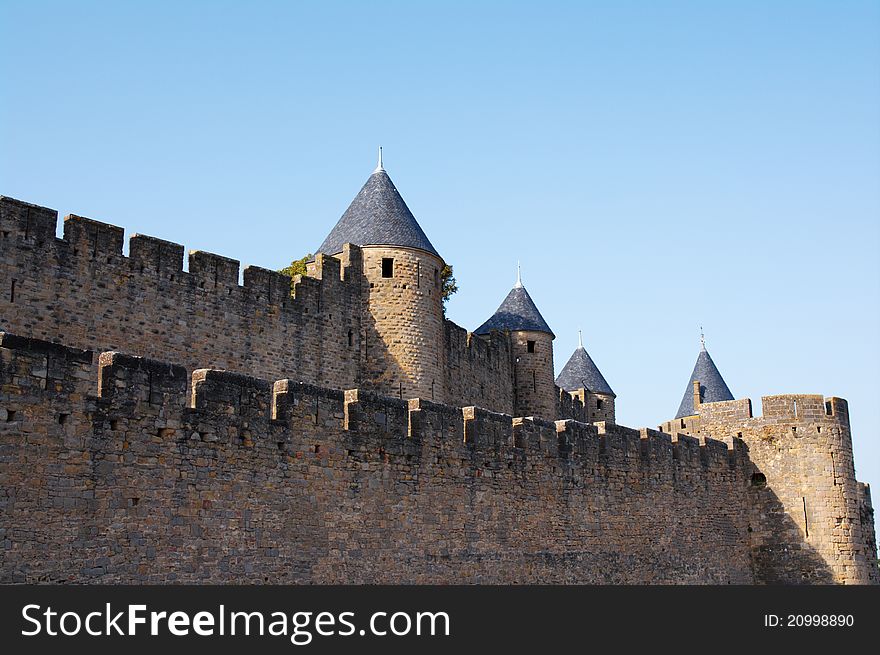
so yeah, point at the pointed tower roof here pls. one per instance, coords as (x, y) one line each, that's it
(517, 312)
(377, 216)
(580, 372)
(713, 388)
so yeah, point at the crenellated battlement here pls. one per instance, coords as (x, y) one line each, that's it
(87, 242)
(200, 315)
(800, 458)
(145, 473)
(130, 387)
(267, 447)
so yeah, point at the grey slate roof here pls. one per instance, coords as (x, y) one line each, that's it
(377, 216)
(517, 312)
(581, 372)
(713, 388)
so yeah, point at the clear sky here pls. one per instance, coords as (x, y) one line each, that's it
(655, 166)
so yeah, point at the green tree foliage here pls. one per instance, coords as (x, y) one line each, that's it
(297, 267)
(448, 285)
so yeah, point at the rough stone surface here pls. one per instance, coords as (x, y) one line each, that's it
(237, 480)
(119, 468)
(810, 520)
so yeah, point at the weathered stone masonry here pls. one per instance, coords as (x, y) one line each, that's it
(240, 480)
(82, 291)
(164, 472)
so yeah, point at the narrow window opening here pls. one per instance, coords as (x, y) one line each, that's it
(436, 278)
(806, 523)
(828, 407)
(387, 267)
(350, 338)
(534, 382)
(598, 403)
(682, 424)
(12, 293)
(795, 409)
(530, 345)
(418, 274)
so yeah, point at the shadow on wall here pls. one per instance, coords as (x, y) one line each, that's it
(780, 552)
(384, 372)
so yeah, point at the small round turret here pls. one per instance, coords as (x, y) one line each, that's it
(532, 352)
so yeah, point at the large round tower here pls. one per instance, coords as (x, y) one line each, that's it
(532, 351)
(402, 304)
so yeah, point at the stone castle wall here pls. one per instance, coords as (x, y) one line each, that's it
(82, 291)
(144, 478)
(811, 520)
(479, 370)
(620, 507)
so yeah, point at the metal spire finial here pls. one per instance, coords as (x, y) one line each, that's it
(702, 340)
(379, 165)
(580, 339)
(518, 284)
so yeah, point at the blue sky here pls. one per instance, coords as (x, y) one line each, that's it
(655, 166)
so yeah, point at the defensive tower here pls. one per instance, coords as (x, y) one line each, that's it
(402, 321)
(582, 379)
(531, 349)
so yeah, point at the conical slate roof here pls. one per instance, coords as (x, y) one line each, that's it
(580, 372)
(713, 388)
(377, 216)
(517, 312)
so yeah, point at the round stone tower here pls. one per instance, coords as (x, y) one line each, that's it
(532, 351)
(401, 291)
(583, 380)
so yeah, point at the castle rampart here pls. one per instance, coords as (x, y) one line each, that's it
(82, 291)
(803, 488)
(246, 456)
(148, 477)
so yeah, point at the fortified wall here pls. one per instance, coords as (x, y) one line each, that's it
(140, 476)
(80, 290)
(801, 448)
(122, 469)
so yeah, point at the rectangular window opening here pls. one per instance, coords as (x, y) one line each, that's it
(387, 267)
(598, 404)
(531, 346)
